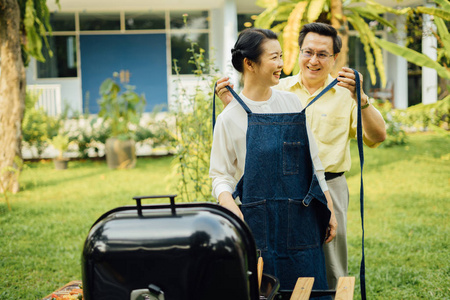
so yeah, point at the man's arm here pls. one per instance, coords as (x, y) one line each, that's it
(372, 120)
(222, 92)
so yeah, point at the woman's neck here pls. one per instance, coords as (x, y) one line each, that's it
(256, 91)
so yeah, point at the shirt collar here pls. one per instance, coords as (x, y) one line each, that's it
(296, 79)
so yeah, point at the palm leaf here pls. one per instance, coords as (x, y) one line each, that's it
(278, 28)
(358, 23)
(267, 3)
(315, 7)
(445, 4)
(435, 12)
(378, 6)
(373, 14)
(265, 19)
(271, 14)
(414, 57)
(376, 52)
(290, 36)
(284, 10)
(444, 35)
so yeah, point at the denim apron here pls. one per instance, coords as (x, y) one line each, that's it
(282, 201)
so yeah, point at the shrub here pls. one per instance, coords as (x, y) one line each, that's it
(395, 135)
(37, 127)
(193, 134)
(422, 116)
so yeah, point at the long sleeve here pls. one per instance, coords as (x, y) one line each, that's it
(319, 170)
(228, 149)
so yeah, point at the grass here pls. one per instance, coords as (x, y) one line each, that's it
(407, 189)
(407, 193)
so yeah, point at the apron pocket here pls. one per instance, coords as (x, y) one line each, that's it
(256, 217)
(303, 227)
(291, 158)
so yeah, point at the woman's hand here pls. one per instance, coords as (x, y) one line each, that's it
(222, 92)
(227, 201)
(332, 228)
(333, 224)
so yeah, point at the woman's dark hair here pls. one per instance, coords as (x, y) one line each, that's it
(248, 45)
(322, 29)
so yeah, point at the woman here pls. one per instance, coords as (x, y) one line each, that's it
(262, 144)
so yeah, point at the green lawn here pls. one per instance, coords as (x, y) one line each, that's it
(407, 214)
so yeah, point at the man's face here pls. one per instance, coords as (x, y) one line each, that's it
(317, 59)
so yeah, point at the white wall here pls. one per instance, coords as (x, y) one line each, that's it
(397, 67)
(70, 88)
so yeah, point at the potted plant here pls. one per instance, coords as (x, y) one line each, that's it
(60, 142)
(121, 108)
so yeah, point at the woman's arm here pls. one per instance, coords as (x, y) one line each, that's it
(320, 173)
(227, 201)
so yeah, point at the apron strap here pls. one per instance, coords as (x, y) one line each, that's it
(326, 89)
(241, 102)
(362, 271)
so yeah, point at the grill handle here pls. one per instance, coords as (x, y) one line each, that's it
(139, 203)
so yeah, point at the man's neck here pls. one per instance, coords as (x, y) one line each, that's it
(312, 86)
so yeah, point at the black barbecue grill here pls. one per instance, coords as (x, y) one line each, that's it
(198, 251)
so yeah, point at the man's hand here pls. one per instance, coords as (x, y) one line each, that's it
(226, 200)
(222, 92)
(372, 120)
(347, 80)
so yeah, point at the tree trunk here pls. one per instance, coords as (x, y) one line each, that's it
(338, 22)
(12, 91)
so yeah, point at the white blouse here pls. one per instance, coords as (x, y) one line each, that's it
(228, 151)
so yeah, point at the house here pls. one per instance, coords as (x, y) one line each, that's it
(139, 39)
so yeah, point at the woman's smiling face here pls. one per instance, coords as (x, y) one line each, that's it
(270, 64)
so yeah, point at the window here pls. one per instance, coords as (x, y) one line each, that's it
(63, 63)
(194, 20)
(187, 28)
(62, 21)
(182, 41)
(145, 20)
(99, 21)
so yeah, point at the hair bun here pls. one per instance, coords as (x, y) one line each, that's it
(235, 51)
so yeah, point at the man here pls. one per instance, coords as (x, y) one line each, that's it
(332, 120)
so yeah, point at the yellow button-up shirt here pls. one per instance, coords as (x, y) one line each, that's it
(332, 120)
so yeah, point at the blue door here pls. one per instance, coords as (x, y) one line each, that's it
(142, 56)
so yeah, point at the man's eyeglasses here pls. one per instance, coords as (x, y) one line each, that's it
(308, 53)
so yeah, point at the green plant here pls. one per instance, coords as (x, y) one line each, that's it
(60, 142)
(156, 131)
(423, 115)
(88, 133)
(395, 133)
(193, 133)
(118, 108)
(7, 181)
(37, 126)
